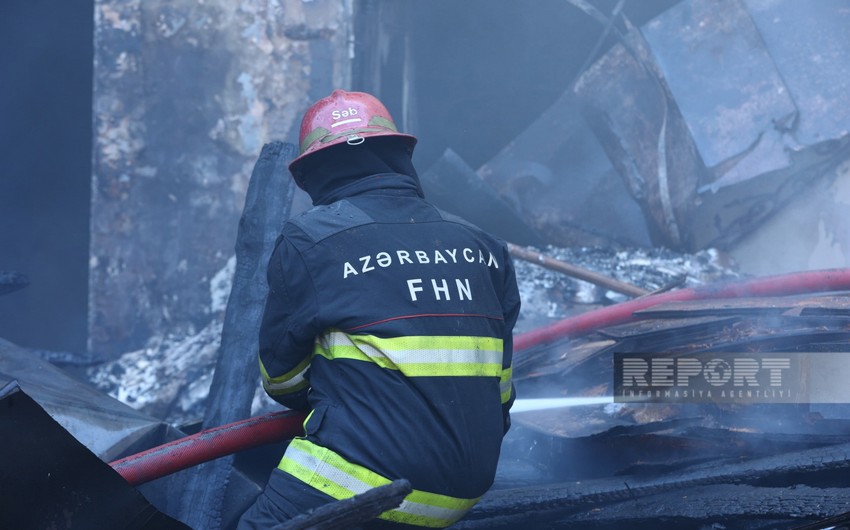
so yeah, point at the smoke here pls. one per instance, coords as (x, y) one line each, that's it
(483, 75)
(811, 233)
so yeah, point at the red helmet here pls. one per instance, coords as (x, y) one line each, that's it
(348, 117)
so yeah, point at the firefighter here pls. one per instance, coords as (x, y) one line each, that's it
(391, 322)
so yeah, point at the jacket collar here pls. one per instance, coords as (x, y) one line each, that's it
(388, 184)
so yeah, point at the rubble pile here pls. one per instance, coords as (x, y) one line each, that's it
(692, 134)
(170, 377)
(622, 464)
(549, 295)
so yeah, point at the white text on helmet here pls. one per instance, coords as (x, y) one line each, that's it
(337, 114)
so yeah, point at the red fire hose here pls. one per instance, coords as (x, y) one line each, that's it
(278, 426)
(782, 285)
(208, 445)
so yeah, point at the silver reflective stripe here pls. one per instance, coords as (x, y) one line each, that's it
(337, 343)
(435, 356)
(283, 386)
(324, 471)
(426, 510)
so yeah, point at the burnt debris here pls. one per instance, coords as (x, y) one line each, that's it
(609, 465)
(673, 145)
(715, 119)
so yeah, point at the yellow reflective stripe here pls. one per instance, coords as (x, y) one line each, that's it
(419, 355)
(304, 424)
(505, 383)
(314, 135)
(330, 473)
(382, 122)
(290, 387)
(288, 383)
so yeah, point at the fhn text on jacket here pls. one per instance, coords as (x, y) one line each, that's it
(442, 288)
(391, 321)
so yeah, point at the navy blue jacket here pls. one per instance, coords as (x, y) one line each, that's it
(392, 321)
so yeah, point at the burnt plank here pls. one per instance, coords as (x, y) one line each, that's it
(721, 120)
(658, 326)
(557, 359)
(635, 119)
(737, 506)
(565, 498)
(813, 305)
(343, 514)
(267, 206)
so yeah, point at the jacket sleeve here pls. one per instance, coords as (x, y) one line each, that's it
(510, 309)
(289, 328)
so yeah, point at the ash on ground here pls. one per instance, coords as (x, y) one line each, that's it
(548, 295)
(170, 378)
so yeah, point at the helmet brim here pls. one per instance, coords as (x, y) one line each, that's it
(408, 140)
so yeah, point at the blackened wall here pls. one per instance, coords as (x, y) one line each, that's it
(45, 168)
(483, 71)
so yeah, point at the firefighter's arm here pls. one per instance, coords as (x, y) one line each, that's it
(510, 310)
(288, 328)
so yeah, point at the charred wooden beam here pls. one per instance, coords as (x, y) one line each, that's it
(644, 135)
(576, 272)
(738, 506)
(838, 522)
(777, 470)
(790, 306)
(341, 515)
(267, 207)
